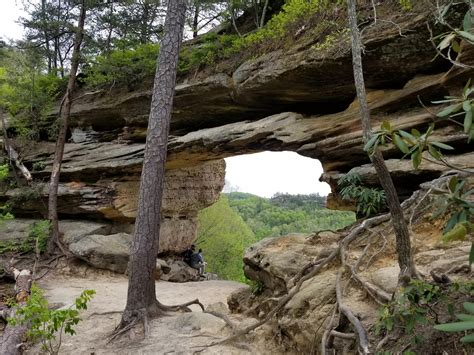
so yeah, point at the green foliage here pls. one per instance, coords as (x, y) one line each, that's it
(466, 322)
(4, 214)
(47, 325)
(294, 13)
(210, 48)
(39, 232)
(3, 171)
(406, 4)
(284, 214)
(223, 236)
(456, 201)
(123, 67)
(421, 304)
(239, 220)
(369, 201)
(38, 166)
(411, 144)
(451, 41)
(412, 307)
(132, 65)
(26, 93)
(462, 106)
(37, 238)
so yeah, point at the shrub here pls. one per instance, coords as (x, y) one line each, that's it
(123, 67)
(48, 325)
(422, 303)
(369, 201)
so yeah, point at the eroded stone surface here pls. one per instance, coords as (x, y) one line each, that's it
(109, 252)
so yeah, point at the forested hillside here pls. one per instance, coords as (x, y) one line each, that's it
(238, 220)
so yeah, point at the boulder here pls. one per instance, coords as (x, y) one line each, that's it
(218, 307)
(241, 300)
(192, 322)
(109, 252)
(274, 261)
(180, 272)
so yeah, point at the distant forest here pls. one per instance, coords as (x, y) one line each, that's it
(239, 220)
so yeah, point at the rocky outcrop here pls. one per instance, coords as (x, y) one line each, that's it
(370, 263)
(301, 100)
(104, 196)
(109, 252)
(274, 262)
(306, 76)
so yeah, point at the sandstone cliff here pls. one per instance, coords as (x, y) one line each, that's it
(299, 99)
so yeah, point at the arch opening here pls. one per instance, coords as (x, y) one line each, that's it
(267, 195)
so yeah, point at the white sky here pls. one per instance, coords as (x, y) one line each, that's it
(267, 173)
(262, 174)
(10, 10)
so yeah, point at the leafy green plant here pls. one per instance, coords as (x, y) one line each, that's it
(37, 238)
(47, 325)
(460, 106)
(4, 213)
(451, 40)
(38, 166)
(123, 67)
(412, 307)
(466, 323)
(406, 4)
(411, 144)
(369, 201)
(455, 200)
(3, 171)
(39, 233)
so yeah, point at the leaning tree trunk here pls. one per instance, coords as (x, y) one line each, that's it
(65, 110)
(405, 258)
(13, 335)
(141, 298)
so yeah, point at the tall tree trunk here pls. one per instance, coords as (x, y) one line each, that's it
(144, 23)
(141, 298)
(405, 258)
(256, 10)
(108, 42)
(196, 20)
(46, 35)
(65, 111)
(264, 13)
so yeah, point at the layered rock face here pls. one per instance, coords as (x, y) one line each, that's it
(301, 100)
(106, 189)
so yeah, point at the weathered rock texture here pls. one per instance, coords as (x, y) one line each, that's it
(104, 195)
(300, 99)
(273, 263)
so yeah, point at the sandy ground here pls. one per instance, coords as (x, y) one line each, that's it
(179, 333)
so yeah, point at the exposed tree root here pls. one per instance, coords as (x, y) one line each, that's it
(361, 332)
(329, 329)
(131, 321)
(337, 334)
(283, 301)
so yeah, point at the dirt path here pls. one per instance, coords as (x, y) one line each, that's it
(180, 333)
